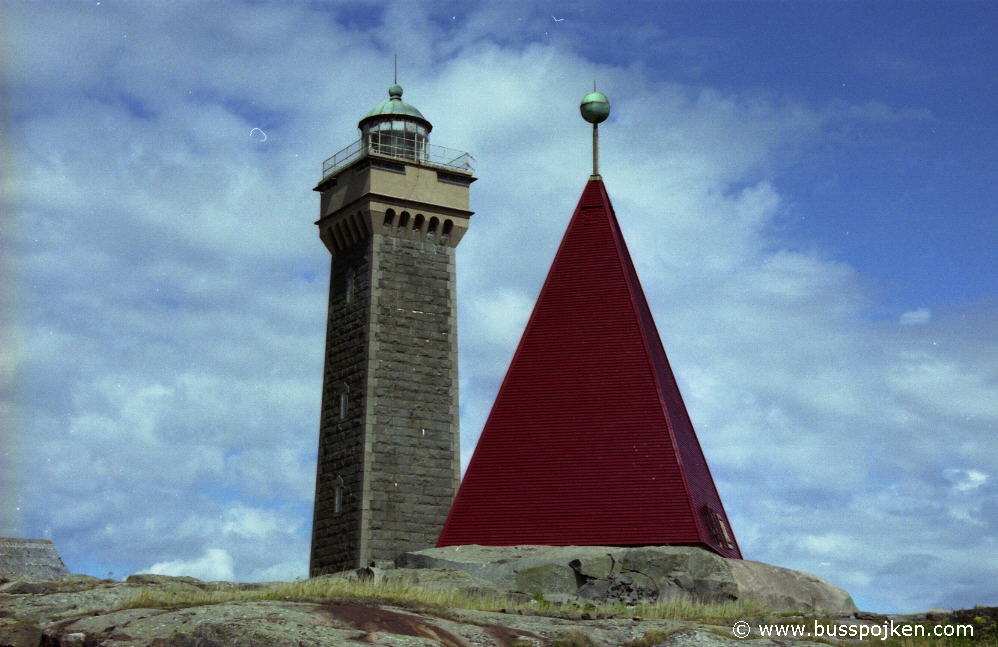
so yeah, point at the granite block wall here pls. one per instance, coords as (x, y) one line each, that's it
(391, 446)
(413, 455)
(336, 534)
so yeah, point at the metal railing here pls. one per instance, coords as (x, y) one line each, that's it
(403, 147)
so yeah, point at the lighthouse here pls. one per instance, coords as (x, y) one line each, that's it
(393, 208)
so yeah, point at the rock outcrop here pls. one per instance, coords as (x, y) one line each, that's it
(30, 558)
(82, 611)
(42, 606)
(602, 574)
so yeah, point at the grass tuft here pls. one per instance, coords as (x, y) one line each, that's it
(649, 639)
(574, 639)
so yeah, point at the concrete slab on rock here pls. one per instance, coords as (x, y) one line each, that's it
(35, 559)
(604, 574)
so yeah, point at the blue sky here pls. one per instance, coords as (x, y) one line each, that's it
(807, 190)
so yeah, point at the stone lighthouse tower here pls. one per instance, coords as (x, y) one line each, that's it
(393, 209)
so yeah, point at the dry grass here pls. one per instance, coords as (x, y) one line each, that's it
(319, 590)
(156, 598)
(688, 608)
(406, 594)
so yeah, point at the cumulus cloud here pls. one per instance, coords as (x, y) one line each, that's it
(293, 569)
(214, 564)
(248, 523)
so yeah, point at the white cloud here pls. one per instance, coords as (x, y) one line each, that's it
(249, 523)
(296, 568)
(831, 543)
(943, 384)
(915, 317)
(965, 480)
(214, 564)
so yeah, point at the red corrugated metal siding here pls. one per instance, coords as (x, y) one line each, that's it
(588, 442)
(699, 482)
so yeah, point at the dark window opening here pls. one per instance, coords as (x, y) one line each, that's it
(718, 528)
(338, 496)
(344, 403)
(351, 280)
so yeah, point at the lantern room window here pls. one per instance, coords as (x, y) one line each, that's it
(397, 138)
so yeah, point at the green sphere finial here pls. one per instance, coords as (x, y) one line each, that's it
(395, 91)
(595, 107)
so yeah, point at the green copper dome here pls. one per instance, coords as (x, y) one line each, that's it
(595, 107)
(395, 106)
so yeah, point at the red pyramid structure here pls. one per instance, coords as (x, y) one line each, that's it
(589, 442)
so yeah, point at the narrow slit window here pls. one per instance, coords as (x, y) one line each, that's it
(338, 499)
(344, 403)
(351, 280)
